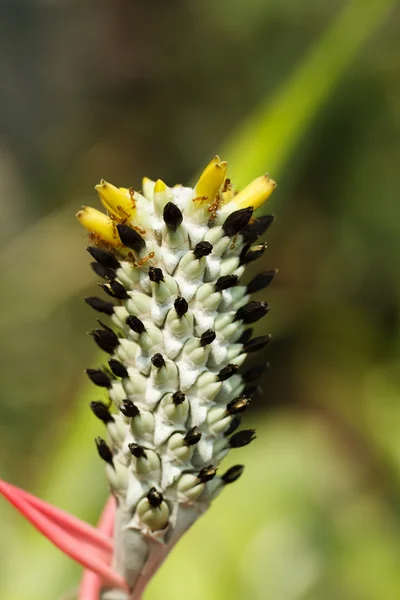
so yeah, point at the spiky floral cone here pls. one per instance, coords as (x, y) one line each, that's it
(172, 259)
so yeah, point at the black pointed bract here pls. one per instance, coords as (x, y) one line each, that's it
(207, 473)
(202, 249)
(131, 238)
(156, 275)
(257, 228)
(105, 339)
(178, 398)
(158, 360)
(207, 337)
(232, 474)
(252, 254)
(225, 282)
(238, 405)
(192, 437)
(242, 438)
(104, 272)
(104, 258)
(260, 281)
(137, 451)
(181, 306)
(129, 409)
(154, 497)
(227, 372)
(118, 290)
(237, 221)
(100, 305)
(252, 312)
(172, 216)
(104, 451)
(135, 324)
(257, 343)
(107, 289)
(99, 377)
(118, 368)
(101, 411)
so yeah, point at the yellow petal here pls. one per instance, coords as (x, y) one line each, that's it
(211, 178)
(160, 186)
(255, 194)
(117, 201)
(99, 224)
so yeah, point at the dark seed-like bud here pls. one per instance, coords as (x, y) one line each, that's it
(172, 216)
(232, 474)
(103, 272)
(257, 344)
(207, 473)
(131, 238)
(137, 451)
(234, 424)
(117, 368)
(260, 281)
(252, 312)
(242, 438)
(100, 305)
(129, 409)
(192, 437)
(99, 377)
(118, 290)
(208, 337)
(238, 405)
(245, 337)
(237, 220)
(181, 306)
(227, 372)
(178, 398)
(107, 289)
(102, 257)
(252, 254)
(101, 411)
(225, 282)
(255, 372)
(156, 275)
(104, 451)
(105, 338)
(158, 360)
(256, 229)
(135, 324)
(154, 497)
(202, 249)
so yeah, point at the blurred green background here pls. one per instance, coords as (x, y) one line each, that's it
(307, 90)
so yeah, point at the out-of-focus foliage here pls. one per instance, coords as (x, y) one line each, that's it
(306, 90)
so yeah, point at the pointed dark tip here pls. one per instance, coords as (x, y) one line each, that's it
(237, 221)
(100, 410)
(242, 438)
(118, 368)
(131, 238)
(105, 338)
(103, 272)
(104, 450)
(252, 311)
(172, 216)
(154, 497)
(178, 398)
(99, 377)
(225, 282)
(238, 405)
(100, 305)
(207, 473)
(157, 360)
(207, 337)
(257, 228)
(232, 474)
(181, 306)
(135, 324)
(249, 254)
(103, 258)
(137, 451)
(129, 409)
(202, 249)
(261, 281)
(227, 372)
(156, 275)
(192, 437)
(118, 290)
(256, 344)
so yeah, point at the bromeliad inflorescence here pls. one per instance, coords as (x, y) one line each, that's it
(171, 260)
